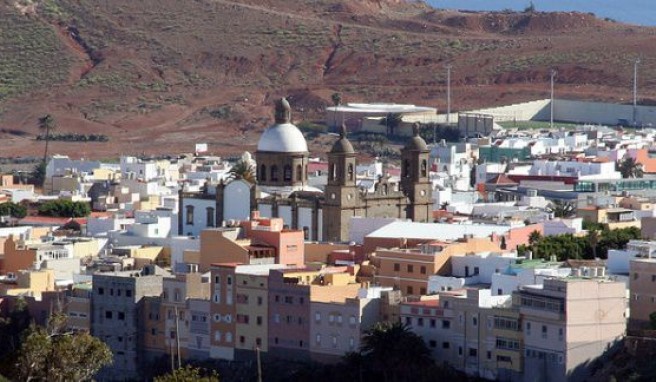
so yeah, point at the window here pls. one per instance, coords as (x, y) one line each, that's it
(476, 270)
(473, 352)
(422, 291)
(423, 168)
(274, 173)
(317, 339)
(653, 278)
(352, 320)
(544, 331)
(420, 321)
(446, 345)
(635, 276)
(560, 334)
(101, 291)
(334, 341)
(263, 172)
(228, 337)
(528, 328)
(339, 319)
(299, 173)
(410, 290)
(108, 314)
(411, 268)
(301, 300)
(317, 317)
(287, 173)
(351, 342)
(446, 324)
(153, 332)
(242, 339)
(217, 279)
(258, 341)
(432, 344)
(259, 320)
(408, 320)
(397, 267)
(460, 351)
(331, 318)
(229, 281)
(259, 300)
(210, 216)
(350, 171)
(276, 318)
(475, 321)
(433, 322)
(422, 270)
(489, 354)
(128, 293)
(289, 300)
(190, 215)
(121, 316)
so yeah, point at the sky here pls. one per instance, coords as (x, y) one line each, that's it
(641, 12)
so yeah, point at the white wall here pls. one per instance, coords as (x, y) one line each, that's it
(237, 201)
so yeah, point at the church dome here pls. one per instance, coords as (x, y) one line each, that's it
(283, 136)
(343, 145)
(416, 143)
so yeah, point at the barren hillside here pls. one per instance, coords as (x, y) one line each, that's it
(156, 76)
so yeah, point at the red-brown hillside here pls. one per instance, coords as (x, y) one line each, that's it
(156, 76)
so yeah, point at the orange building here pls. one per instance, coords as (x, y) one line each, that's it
(408, 269)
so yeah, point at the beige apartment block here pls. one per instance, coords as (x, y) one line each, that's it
(567, 323)
(642, 287)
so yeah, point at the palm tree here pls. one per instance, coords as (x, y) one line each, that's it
(395, 351)
(630, 168)
(392, 121)
(593, 241)
(534, 237)
(337, 100)
(561, 209)
(243, 170)
(47, 123)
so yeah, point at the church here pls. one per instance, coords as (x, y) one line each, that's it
(282, 188)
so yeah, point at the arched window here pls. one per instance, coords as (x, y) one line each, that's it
(263, 172)
(190, 215)
(423, 168)
(406, 168)
(274, 173)
(287, 173)
(333, 172)
(350, 171)
(299, 173)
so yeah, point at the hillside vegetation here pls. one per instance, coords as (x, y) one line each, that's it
(158, 75)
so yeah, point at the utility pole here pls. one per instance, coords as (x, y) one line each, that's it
(448, 93)
(553, 75)
(635, 91)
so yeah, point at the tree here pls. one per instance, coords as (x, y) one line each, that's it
(55, 354)
(243, 170)
(534, 237)
(13, 209)
(561, 209)
(64, 208)
(530, 8)
(396, 352)
(593, 242)
(337, 100)
(48, 124)
(630, 168)
(392, 121)
(39, 174)
(189, 374)
(12, 327)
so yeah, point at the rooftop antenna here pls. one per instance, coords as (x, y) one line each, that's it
(551, 119)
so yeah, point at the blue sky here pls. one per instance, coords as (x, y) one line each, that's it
(642, 12)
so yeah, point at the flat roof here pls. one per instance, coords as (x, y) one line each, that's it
(376, 108)
(436, 231)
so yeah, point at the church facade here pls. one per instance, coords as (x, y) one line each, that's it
(282, 188)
